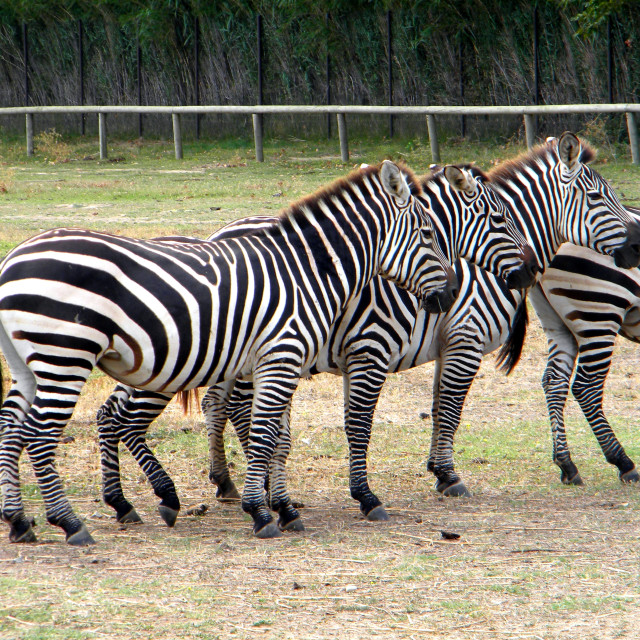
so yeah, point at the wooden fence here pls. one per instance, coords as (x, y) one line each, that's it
(528, 113)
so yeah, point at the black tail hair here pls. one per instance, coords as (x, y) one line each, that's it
(511, 350)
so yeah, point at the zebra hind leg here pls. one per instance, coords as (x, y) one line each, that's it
(126, 416)
(109, 439)
(363, 380)
(279, 500)
(588, 389)
(20, 526)
(275, 382)
(458, 367)
(140, 410)
(215, 405)
(41, 432)
(15, 407)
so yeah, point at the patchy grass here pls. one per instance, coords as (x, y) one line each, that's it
(535, 559)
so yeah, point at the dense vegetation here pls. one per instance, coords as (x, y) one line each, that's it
(437, 45)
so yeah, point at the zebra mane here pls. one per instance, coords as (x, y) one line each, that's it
(505, 171)
(355, 178)
(435, 171)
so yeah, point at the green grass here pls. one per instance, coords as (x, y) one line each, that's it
(148, 192)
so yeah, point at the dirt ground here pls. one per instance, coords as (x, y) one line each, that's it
(534, 559)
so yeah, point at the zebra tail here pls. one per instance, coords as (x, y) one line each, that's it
(187, 399)
(511, 350)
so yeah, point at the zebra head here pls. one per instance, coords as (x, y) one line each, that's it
(410, 255)
(481, 228)
(592, 213)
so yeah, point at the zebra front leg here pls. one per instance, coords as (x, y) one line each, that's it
(274, 386)
(214, 407)
(363, 382)
(588, 390)
(458, 368)
(239, 412)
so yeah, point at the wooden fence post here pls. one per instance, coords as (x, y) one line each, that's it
(632, 126)
(29, 127)
(257, 136)
(102, 135)
(342, 133)
(177, 135)
(433, 139)
(529, 130)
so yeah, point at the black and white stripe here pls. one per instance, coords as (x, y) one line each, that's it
(584, 302)
(470, 219)
(556, 197)
(172, 315)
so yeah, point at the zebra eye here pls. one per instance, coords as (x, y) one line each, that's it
(427, 232)
(498, 217)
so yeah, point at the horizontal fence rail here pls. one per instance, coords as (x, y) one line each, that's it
(527, 112)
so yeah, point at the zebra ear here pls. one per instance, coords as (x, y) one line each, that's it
(569, 149)
(393, 181)
(459, 179)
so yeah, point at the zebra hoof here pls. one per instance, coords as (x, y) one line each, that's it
(22, 537)
(81, 538)
(228, 494)
(294, 525)
(576, 480)
(131, 517)
(378, 514)
(453, 490)
(270, 530)
(168, 514)
(630, 476)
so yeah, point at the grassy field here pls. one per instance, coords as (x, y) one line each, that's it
(534, 559)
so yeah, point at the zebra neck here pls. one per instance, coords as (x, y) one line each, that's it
(338, 245)
(534, 192)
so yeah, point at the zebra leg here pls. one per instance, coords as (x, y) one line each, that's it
(459, 365)
(563, 350)
(239, 411)
(588, 390)
(274, 385)
(278, 496)
(41, 432)
(129, 423)
(109, 439)
(11, 446)
(363, 382)
(12, 416)
(214, 407)
(435, 412)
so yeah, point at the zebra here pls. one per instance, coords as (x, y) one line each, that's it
(470, 220)
(487, 314)
(172, 315)
(584, 302)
